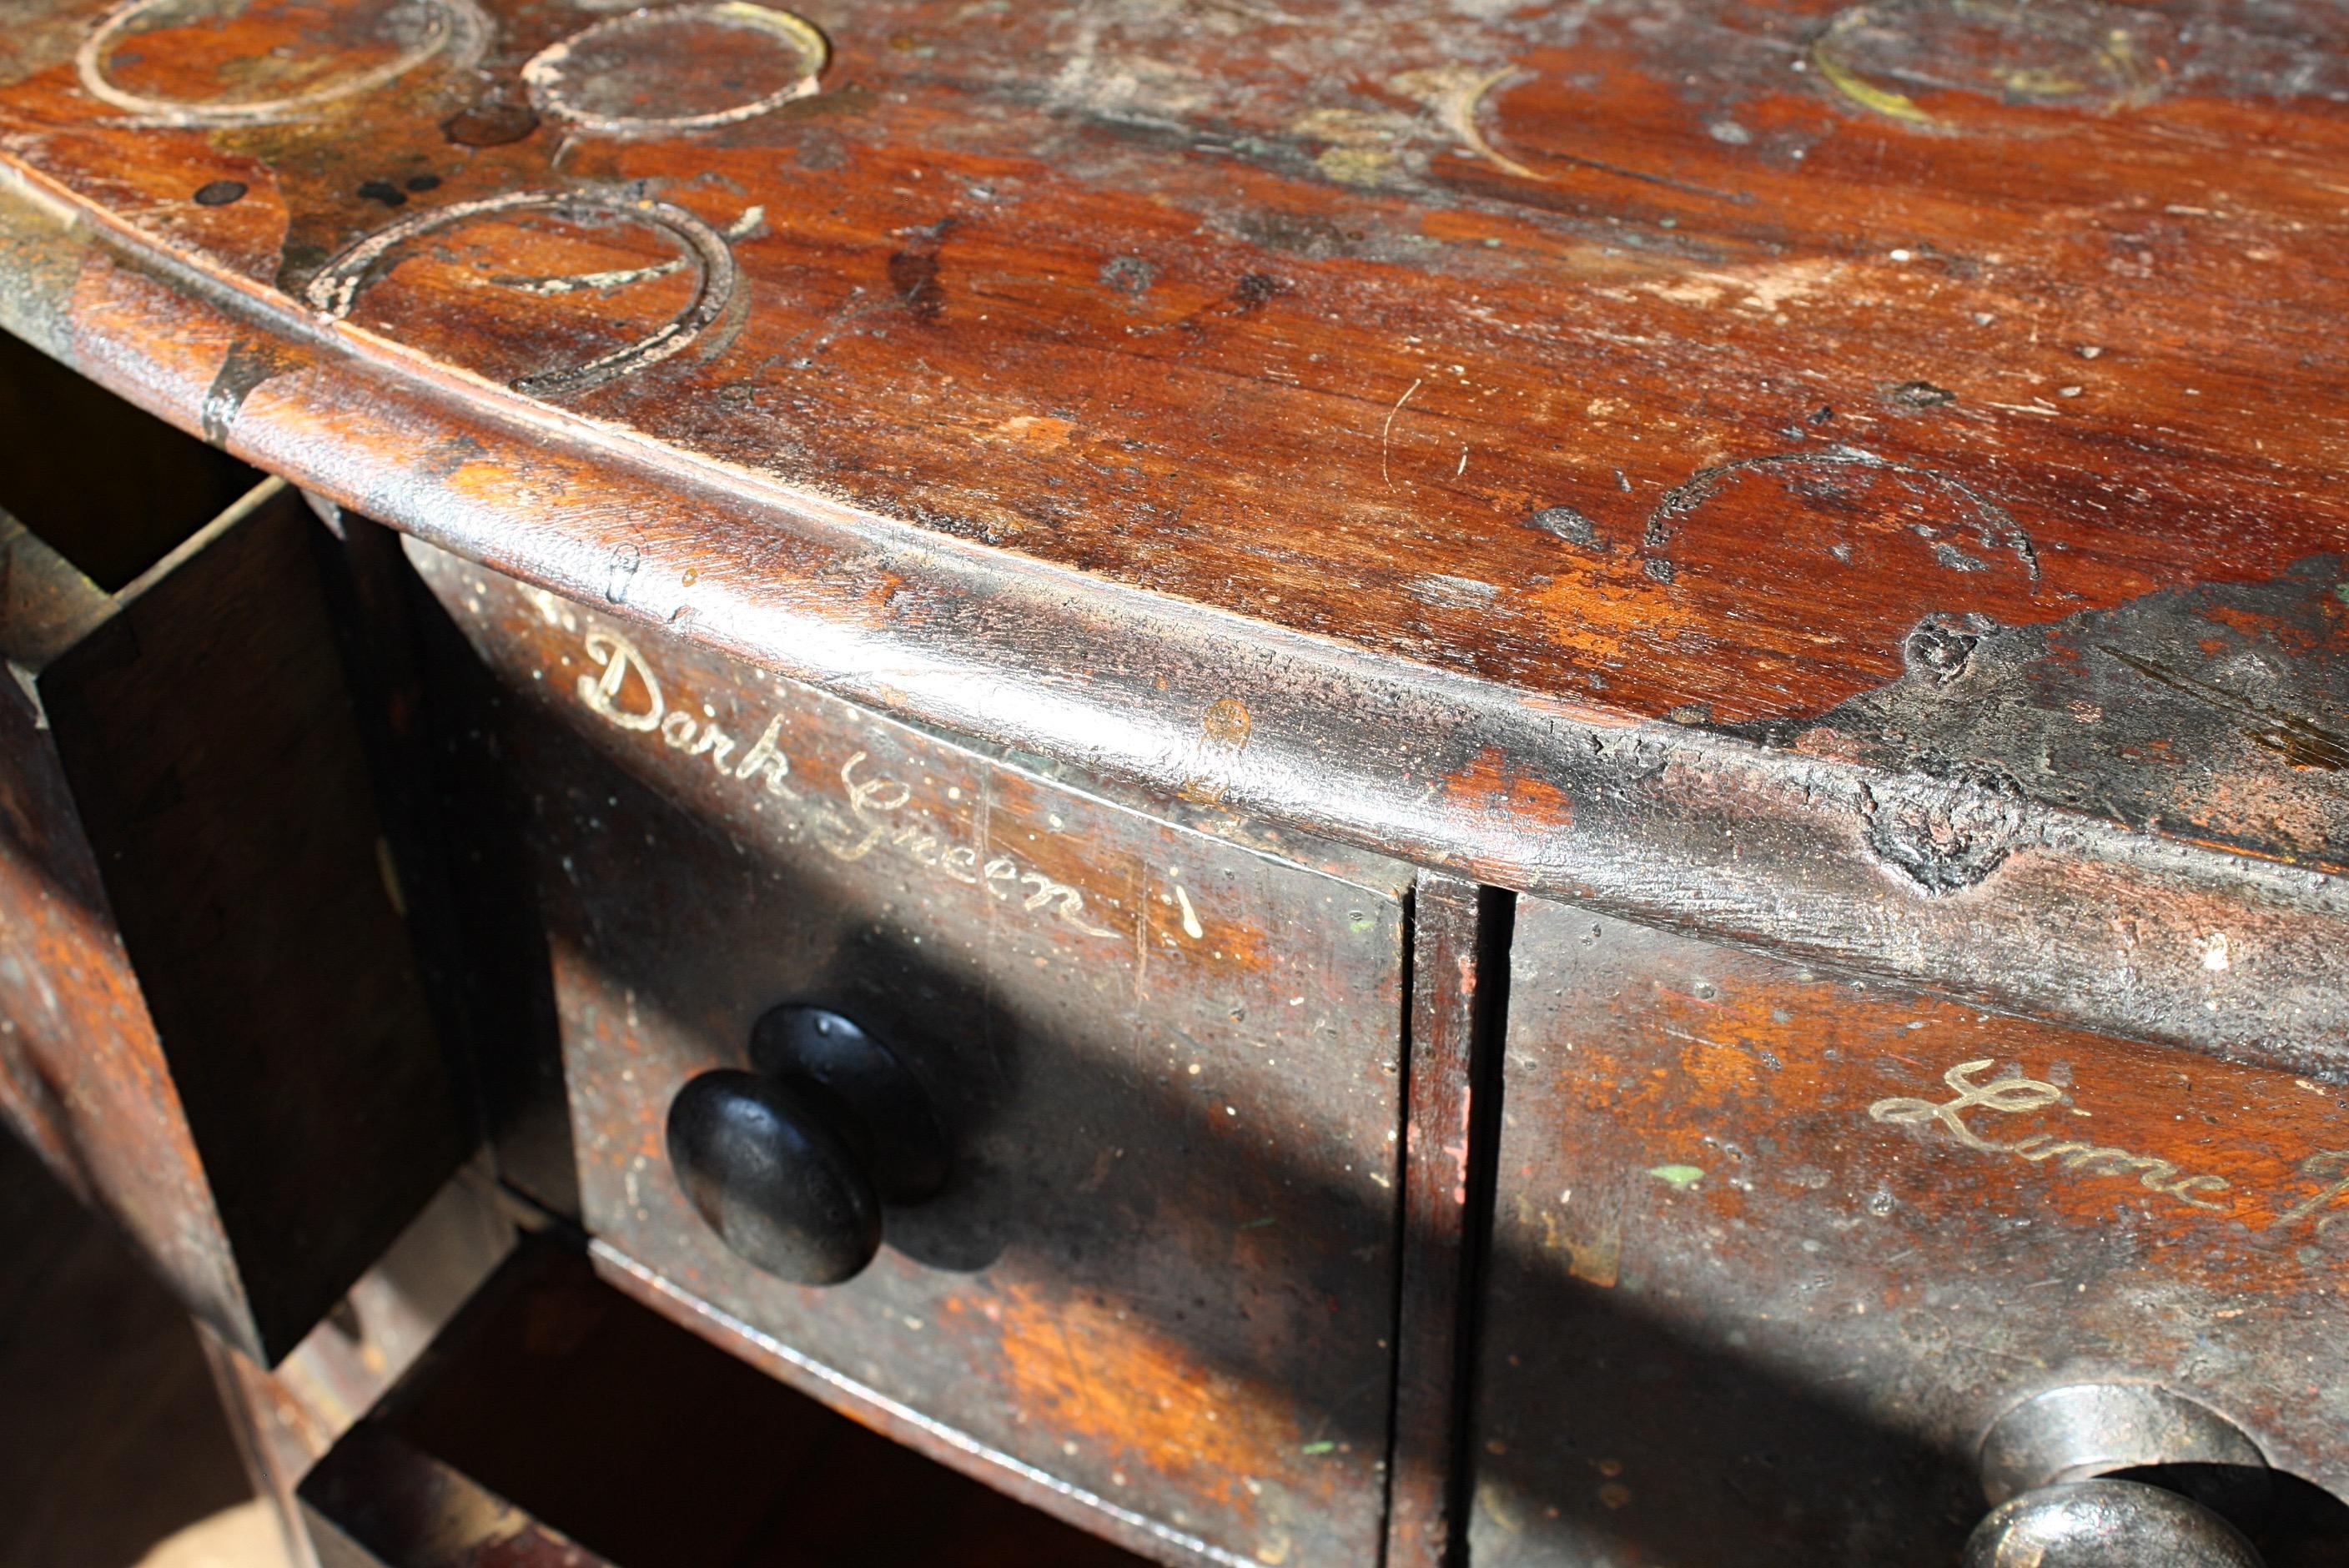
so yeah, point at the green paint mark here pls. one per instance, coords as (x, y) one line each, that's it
(1320, 1447)
(1257, 1224)
(1361, 918)
(1867, 94)
(2341, 591)
(1680, 1176)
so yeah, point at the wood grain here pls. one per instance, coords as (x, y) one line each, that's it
(215, 1028)
(1460, 940)
(1765, 1268)
(1696, 369)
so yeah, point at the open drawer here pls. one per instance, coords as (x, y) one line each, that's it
(557, 1422)
(212, 1023)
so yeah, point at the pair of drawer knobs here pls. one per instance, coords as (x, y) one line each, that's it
(791, 1163)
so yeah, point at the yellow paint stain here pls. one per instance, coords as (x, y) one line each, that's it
(1864, 93)
(1227, 724)
(1349, 127)
(2035, 81)
(1355, 165)
(1599, 1260)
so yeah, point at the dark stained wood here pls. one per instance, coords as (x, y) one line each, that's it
(1459, 950)
(214, 1030)
(288, 1417)
(119, 1442)
(449, 817)
(1639, 387)
(109, 490)
(1160, 1283)
(557, 1422)
(1839, 485)
(1774, 1248)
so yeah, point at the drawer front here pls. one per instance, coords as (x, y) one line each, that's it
(1774, 1249)
(1161, 1276)
(212, 1022)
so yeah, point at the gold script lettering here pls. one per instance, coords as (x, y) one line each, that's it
(2333, 1163)
(604, 697)
(2019, 1096)
(602, 694)
(872, 799)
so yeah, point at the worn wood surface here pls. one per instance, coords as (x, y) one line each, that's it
(117, 1441)
(1160, 1282)
(1459, 958)
(214, 1028)
(287, 1417)
(85, 1081)
(1774, 1248)
(1903, 430)
(559, 1423)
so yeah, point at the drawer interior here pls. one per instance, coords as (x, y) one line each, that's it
(613, 1429)
(107, 486)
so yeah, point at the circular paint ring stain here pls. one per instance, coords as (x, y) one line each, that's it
(453, 28)
(339, 283)
(702, 65)
(1843, 501)
(2053, 54)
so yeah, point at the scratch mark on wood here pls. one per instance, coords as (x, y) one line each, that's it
(1386, 432)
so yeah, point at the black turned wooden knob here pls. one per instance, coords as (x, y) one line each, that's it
(791, 1163)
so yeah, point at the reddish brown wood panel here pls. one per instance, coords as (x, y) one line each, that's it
(1710, 366)
(1774, 1248)
(215, 1025)
(1662, 356)
(1159, 1287)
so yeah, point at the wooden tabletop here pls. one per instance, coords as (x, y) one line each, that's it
(1864, 481)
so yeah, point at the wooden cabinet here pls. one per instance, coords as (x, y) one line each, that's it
(1774, 1249)
(1157, 1287)
(1018, 597)
(212, 1023)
